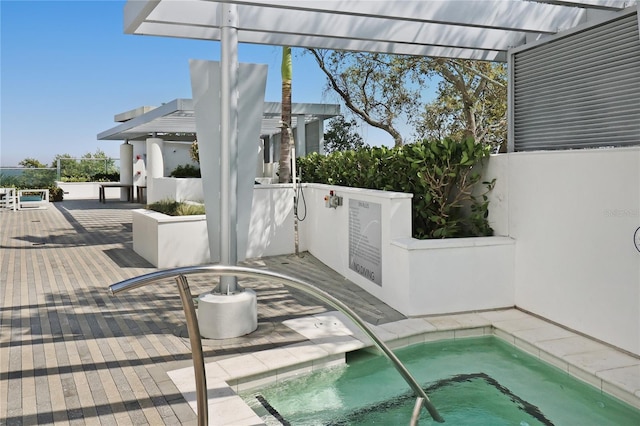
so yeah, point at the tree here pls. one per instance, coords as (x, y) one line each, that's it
(85, 168)
(385, 89)
(470, 102)
(285, 148)
(32, 163)
(340, 136)
(378, 88)
(36, 176)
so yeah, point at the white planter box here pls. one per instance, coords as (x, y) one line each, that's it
(452, 275)
(79, 190)
(170, 241)
(180, 189)
(419, 277)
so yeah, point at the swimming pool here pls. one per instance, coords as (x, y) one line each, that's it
(473, 381)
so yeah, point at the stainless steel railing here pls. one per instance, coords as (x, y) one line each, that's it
(240, 271)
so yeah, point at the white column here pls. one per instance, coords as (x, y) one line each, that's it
(301, 136)
(229, 143)
(321, 136)
(139, 166)
(260, 162)
(126, 168)
(155, 165)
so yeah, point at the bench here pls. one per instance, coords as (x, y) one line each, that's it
(129, 188)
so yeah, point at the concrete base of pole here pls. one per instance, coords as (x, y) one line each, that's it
(222, 316)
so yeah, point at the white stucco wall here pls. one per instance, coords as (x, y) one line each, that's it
(327, 229)
(419, 277)
(271, 224)
(177, 189)
(81, 190)
(177, 154)
(168, 242)
(573, 215)
(453, 275)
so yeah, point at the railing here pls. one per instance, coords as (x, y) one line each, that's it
(27, 177)
(239, 271)
(86, 167)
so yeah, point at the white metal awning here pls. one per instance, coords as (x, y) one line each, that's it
(472, 29)
(176, 119)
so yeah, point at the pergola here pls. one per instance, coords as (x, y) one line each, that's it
(490, 30)
(176, 118)
(472, 29)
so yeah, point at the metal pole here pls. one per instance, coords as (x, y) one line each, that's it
(196, 350)
(296, 237)
(229, 144)
(417, 408)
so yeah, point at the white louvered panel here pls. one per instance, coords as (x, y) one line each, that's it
(580, 91)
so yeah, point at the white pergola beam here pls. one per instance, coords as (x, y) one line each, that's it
(260, 25)
(591, 4)
(275, 39)
(514, 15)
(468, 29)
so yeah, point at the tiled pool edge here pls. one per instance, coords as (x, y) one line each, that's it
(539, 338)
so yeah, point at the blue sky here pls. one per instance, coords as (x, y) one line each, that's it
(67, 68)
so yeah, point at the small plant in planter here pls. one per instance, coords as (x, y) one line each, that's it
(185, 171)
(177, 208)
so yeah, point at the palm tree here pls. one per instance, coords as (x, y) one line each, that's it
(285, 148)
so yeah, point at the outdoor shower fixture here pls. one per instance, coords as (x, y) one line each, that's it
(292, 144)
(238, 271)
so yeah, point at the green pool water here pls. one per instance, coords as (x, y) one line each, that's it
(476, 381)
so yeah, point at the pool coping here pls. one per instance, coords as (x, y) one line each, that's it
(331, 335)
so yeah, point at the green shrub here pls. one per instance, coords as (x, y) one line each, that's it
(98, 177)
(56, 194)
(176, 208)
(441, 175)
(106, 177)
(185, 171)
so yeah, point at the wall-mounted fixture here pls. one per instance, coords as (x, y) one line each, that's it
(332, 200)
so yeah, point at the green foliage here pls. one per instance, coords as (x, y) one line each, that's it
(470, 101)
(194, 152)
(185, 171)
(32, 163)
(55, 193)
(28, 178)
(341, 136)
(176, 208)
(441, 175)
(85, 168)
(106, 177)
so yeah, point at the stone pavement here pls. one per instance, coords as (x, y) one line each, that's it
(72, 354)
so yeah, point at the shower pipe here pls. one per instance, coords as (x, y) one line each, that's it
(241, 271)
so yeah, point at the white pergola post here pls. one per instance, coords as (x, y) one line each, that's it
(229, 310)
(126, 168)
(321, 137)
(229, 143)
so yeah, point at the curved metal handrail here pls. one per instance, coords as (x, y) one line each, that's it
(241, 271)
